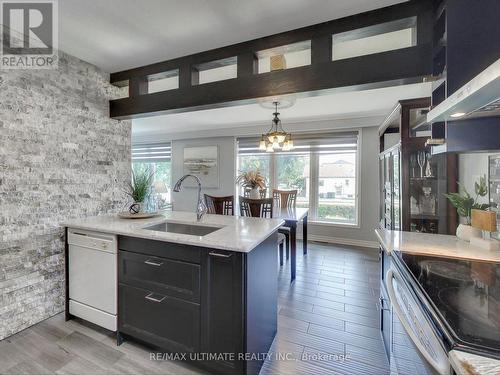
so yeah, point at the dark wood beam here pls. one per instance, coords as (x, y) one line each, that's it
(403, 65)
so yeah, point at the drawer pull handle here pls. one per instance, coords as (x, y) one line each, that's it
(382, 301)
(213, 254)
(152, 263)
(157, 300)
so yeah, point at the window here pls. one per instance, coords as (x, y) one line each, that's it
(322, 168)
(255, 162)
(337, 193)
(284, 57)
(290, 170)
(214, 71)
(155, 157)
(378, 38)
(163, 81)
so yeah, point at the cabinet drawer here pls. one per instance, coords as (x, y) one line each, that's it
(160, 249)
(166, 276)
(164, 321)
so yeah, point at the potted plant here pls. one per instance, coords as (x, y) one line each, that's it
(139, 188)
(253, 180)
(464, 203)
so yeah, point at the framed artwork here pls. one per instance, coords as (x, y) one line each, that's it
(203, 162)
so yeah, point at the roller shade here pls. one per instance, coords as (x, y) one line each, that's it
(151, 153)
(331, 142)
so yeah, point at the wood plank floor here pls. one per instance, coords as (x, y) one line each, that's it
(327, 324)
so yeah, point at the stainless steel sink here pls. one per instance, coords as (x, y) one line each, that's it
(193, 230)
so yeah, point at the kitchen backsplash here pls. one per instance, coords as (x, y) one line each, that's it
(60, 157)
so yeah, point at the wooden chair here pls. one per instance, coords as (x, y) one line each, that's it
(262, 192)
(256, 207)
(285, 198)
(220, 205)
(262, 208)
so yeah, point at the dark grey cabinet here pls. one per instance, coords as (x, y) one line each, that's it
(186, 299)
(167, 322)
(223, 309)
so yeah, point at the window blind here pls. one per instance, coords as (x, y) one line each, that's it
(151, 152)
(327, 142)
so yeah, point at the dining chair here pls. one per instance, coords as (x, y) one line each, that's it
(285, 199)
(262, 208)
(220, 205)
(262, 192)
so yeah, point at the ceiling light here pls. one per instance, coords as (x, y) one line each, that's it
(262, 144)
(457, 114)
(276, 137)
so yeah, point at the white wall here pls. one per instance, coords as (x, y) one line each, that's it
(471, 167)
(185, 200)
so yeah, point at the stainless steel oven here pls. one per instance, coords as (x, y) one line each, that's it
(416, 344)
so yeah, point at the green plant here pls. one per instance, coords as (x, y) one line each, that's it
(251, 179)
(139, 186)
(463, 201)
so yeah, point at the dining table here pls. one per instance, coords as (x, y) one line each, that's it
(292, 217)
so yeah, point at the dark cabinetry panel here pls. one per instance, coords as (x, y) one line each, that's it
(473, 36)
(171, 277)
(167, 322)
(188, 299)
(161, 249)
(223, 316)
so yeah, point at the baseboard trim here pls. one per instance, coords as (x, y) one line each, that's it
(341, 241)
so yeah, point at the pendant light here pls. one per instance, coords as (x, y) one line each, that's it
(276, 138)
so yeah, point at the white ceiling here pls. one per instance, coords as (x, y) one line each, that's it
(354, 104)
(121, 34)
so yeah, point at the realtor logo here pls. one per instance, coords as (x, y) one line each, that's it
(30, 37)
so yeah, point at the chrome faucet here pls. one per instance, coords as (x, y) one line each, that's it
(201, 208)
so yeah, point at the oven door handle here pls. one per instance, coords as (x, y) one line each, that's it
(442, 368)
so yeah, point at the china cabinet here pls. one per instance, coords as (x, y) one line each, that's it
(413, 181)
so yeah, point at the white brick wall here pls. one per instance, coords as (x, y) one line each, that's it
(61, 157)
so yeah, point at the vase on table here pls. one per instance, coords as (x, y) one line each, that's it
(254, 193)
(465, 232)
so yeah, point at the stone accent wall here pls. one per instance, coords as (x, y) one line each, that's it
(61, 157)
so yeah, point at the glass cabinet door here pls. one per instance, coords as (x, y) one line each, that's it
(396, 195)
(428, 184)
(388, 191)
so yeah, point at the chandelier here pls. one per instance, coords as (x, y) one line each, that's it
(276, 138)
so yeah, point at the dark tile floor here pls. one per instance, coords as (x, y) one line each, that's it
(328, 324)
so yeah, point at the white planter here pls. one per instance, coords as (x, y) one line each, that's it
(254, 193)
(466, 232)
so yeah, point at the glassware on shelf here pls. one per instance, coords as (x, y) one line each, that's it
(427, 202)
(428, 167)
(421, 162)
(413, 164)
(414, 209)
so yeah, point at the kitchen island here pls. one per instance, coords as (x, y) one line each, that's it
(206, 290)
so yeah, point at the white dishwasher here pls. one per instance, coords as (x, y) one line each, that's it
(92, 273)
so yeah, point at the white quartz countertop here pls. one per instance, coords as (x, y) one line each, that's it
(240, 234)
(470, 364)
(433, 244)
